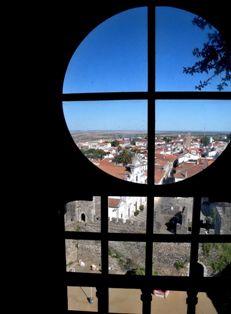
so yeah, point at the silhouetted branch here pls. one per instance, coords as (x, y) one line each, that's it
(214, 58)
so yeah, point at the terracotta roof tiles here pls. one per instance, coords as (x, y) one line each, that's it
(113, 202)
(113, 169)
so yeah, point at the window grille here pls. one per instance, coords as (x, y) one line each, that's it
(195, 282)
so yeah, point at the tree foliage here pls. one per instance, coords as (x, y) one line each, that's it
(124, 157)
(224, 257)
(179, 264)
(94, 153)
(205, 140)
(115, 143)
(214, 58)
(218, 255)
(167, 139)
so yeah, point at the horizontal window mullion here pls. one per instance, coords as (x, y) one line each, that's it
(214, 238)
(203, 238)
(192, 95)
(131, 237)
(144, 95)
(79, 312)
(201, 284)
(176, 238)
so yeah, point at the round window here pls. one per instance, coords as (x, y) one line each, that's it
(122, 112)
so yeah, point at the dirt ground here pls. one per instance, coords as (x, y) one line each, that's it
(128, 301)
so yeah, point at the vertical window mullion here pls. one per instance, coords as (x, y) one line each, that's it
(102, 292)
(146, 293)
(194, 266)
(104, 232)
(61, 223)
(103, 299)
(151, 99)
(195, 233)
(151, 125)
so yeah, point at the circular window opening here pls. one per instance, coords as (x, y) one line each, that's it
(112, 131)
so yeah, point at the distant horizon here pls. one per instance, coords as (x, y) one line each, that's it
(145, 132)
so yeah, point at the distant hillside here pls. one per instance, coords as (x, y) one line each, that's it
(94, 135)
(101, 134)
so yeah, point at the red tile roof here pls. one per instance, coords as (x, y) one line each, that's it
(167, 157)
(113, 202)
(160, 163)
(186, 169)
(159, 174)
(171, 158)
(113, 169)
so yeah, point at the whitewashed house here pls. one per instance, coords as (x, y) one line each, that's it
(124, 207)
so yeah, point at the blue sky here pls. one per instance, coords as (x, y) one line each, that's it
(197, 115)
(171, 115)
(107, 115)
(113, 57)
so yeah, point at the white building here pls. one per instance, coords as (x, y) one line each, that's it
(138, 171)
(124, 207)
